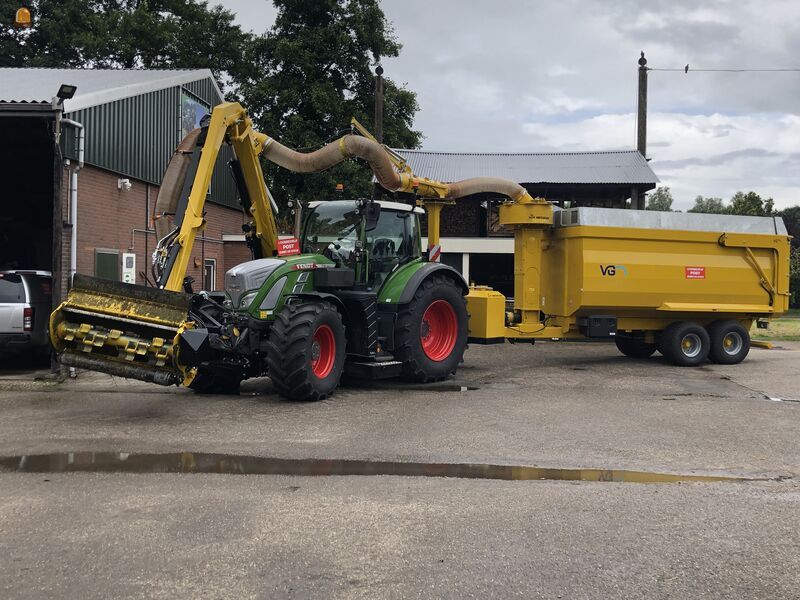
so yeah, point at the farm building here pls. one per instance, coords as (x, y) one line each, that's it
(125, 125)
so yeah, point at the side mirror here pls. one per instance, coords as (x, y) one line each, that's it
(373, 213)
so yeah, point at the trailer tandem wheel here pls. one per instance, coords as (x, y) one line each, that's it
(634, 346)
(730, 342)
(685, 344)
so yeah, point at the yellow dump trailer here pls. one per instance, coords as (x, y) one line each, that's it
(688, 285)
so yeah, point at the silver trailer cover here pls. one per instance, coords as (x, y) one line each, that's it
(651, 219)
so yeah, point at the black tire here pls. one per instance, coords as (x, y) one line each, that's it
(299, 334)
(418, 365)
(205, 383)
(730, 342)
(685, 344)
(634, 346)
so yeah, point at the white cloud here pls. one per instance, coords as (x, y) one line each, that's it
(714, 155)
(521, 75)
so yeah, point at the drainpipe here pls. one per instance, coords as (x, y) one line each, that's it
(73, 200)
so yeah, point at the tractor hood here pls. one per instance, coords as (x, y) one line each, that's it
(249, 276)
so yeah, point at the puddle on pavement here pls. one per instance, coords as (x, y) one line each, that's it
(199, 462)
(383, 387)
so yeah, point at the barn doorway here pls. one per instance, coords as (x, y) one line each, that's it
(27, 190)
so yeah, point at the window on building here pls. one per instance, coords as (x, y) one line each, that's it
(209, 274)
(107, 264)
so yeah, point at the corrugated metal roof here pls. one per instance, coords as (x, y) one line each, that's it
(95, 86)
(615, 167)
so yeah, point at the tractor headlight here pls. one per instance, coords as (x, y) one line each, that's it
(245, 300)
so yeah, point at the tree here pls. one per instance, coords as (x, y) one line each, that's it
(751, 204)
(791, 217)
(310, 73)
(123, 34)
(709, 205)
(794, 277)
(660, 199)
(302, 81)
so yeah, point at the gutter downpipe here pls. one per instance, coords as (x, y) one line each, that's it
(73, 200)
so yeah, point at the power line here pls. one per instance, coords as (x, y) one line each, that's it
(686, 69)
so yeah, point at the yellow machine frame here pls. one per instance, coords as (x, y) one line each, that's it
(549, 299)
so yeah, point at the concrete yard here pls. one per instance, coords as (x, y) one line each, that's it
(557, 405)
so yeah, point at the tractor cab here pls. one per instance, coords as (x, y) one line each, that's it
(371, 237)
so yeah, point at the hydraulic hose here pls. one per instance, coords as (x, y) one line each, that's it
(172, 184)
(332, 154)
(496, 185)
(378, 159)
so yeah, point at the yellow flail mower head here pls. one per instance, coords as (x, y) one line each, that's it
(121, 329)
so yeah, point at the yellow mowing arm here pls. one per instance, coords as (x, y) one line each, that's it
(247, 145)
(229, 122)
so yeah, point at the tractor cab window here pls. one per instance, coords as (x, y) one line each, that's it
(394, 241)
(332, 229)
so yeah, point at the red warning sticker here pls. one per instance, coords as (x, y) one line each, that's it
(288, 246)
(695, 272)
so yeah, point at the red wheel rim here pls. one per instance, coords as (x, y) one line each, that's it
(323, 351)
(439, 330)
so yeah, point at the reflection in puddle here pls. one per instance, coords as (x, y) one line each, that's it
(200, 462)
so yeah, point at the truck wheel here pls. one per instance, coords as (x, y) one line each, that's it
(431, 332)
(634, 346)
(685, 344)
(730, 342)
(306, 350)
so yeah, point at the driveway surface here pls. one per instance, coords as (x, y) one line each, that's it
(555, 405)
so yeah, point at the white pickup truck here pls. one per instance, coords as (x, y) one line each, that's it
(25, 304)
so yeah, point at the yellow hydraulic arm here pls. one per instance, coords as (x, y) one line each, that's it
(229, 124)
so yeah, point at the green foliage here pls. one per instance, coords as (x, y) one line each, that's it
(794, 277)
(312, 72)
(791, 217)
(301, 81)
(709, 205)
(123, 34)
(751, 204)
(660, 199)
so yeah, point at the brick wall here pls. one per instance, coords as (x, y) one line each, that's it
(236, 253)
(466, 218)
(113, 219)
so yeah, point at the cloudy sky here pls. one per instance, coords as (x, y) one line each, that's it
(561, 75)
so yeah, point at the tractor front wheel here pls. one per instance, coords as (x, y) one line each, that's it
(431, 331)
(306, 350)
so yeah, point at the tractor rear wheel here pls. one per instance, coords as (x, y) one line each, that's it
(306, 350)
(431, 332)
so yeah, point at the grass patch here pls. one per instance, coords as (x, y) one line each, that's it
(786, 329)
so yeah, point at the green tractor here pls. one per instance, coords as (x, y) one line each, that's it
(360, 300)
(353, 296)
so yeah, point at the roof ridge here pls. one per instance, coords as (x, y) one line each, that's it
(452, 153)
(104, 69)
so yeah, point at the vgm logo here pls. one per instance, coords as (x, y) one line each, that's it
(611, 270)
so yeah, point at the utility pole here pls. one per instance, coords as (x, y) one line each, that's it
(377, 191)
(641, 118)
(379, 104)
(641, 130)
